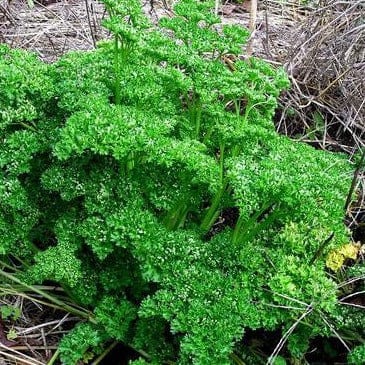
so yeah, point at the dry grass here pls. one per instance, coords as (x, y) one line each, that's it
(32, 337)
(53, 29)
(326, 67)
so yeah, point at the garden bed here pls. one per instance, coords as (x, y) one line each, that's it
(310, 112)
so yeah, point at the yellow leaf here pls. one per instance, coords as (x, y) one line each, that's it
(336, 258)
(12, 335)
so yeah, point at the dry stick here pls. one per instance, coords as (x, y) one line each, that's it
(54, 357)
(330, 23)
(352, 295)
(282, 306)
(89, 22)
(311, 100)
(7, 14)
(39, 326)
(334, 82)
(354, 180)
(305, 305)
(216, 7)
(25, 359)
(358, 110)
(95, 22)
(282, 341)
(267, 43)
(165, 4)
(62, 21)
(26, 348)
(330, 326)
(253, 17)
(46, 349)
(353, 305)
(350, 281)
(355, 212)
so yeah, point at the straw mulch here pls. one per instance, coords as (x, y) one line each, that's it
(326, 66)
(51, 27)
(30, 335)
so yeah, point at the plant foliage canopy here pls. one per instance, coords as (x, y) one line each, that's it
(119, 165)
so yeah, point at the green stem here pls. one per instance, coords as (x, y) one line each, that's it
(321, 248)
(238, 228)
(54, 357)
(246, 229)
(221, 162)
(261, 226)
(117, 85)
(237, 148)
(214, 209)
(208, 135)
(354, 180)
(130, 162)
(21, 292)
(195, 112)
(23, 263)
(176, 216)
(198, 117)
(237, 105)
(32, 128)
